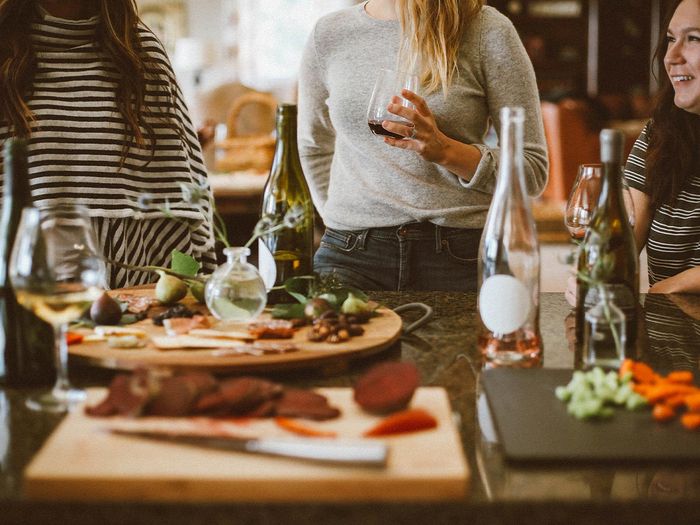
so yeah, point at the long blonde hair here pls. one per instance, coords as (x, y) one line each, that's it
(431, 36)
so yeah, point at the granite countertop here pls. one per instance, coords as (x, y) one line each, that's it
(445, 351)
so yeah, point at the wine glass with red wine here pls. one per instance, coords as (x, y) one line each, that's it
(389, 84)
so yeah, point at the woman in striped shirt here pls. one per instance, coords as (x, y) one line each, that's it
(92, 90)
(663, 169)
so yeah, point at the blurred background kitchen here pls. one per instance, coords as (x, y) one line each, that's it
(236, 59)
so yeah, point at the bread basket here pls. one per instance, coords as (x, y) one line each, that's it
(249, 151)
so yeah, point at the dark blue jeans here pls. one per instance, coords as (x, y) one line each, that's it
(413, 256)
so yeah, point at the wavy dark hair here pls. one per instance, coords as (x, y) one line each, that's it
(117, 36)
(673, 154)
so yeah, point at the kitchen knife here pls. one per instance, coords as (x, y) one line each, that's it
(339, 451)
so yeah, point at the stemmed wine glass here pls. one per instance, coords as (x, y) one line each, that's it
(56, 273)
(583, 200)
(388, 85)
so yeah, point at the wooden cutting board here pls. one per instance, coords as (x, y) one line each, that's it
(82, 461)
(533, 425)
(381, 332)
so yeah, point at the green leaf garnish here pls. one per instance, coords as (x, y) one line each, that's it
(184, 264)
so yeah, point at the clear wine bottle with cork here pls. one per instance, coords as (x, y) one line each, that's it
(509, 261)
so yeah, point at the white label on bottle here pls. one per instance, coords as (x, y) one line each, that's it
(504, 303)
(266, 265)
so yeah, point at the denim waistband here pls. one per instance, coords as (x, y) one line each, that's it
(413, 231)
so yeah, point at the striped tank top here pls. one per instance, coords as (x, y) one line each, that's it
(673, 242)
(77, 144)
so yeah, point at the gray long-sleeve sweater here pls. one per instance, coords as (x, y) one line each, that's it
(356, 180)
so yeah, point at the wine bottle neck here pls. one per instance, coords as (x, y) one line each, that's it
(286, 129)
(511, 174)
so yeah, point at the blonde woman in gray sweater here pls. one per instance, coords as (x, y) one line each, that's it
(407, 213)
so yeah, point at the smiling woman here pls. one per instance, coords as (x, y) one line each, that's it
(663, 169)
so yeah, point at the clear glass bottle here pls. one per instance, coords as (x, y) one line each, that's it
(604, 332)
(235, 291)
(26, 342)
(287, 252)
(509, 261)
(608, 254)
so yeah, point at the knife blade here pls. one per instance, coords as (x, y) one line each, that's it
(350, 452)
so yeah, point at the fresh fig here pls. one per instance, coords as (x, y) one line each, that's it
(170, 289)
(105, 310)
(197, 290)
(315, 307)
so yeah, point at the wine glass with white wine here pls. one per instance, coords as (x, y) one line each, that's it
(56, 273)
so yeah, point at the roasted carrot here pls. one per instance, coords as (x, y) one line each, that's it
(691, 420)
(663, 413)
(693, 402)
(676, 401)
(627, 367)
(73, 338)
(303, 430)
(663, 390)
(410, 420)
(643, 373)
(680, 376)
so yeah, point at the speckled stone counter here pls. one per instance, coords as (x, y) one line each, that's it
(445, 351)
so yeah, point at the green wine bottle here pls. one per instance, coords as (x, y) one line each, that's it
(608, 255)
(286, 252)
(26, 342)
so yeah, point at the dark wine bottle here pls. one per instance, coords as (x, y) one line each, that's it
(26, 342)
(608, 256)
(286, 252)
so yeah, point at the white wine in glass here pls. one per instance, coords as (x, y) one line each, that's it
(56, 273)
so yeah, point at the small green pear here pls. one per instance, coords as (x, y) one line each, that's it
(170, 289)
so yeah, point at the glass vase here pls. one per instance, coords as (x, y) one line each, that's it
(604, 332)
(235, 291)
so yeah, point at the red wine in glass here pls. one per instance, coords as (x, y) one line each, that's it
(389, 85)
(376, 127)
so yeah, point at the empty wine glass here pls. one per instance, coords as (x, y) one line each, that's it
(583, 199)
(389, 84)
(56, 273)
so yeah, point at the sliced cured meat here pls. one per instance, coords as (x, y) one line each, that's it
(183, 325)
(137, 304)
(244, 394)
(305, 404)
(273, 329)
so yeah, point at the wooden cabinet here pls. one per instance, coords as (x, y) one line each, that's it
(587, 47)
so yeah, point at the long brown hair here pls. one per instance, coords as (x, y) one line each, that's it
(431, 35)
(673, 154)
(116, 35)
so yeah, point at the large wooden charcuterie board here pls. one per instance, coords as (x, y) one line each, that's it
(380, 333)
(82, 461)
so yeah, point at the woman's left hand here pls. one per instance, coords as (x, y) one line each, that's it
(423, 137)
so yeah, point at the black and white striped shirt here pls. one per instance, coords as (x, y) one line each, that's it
(673, 243)
(77, 145)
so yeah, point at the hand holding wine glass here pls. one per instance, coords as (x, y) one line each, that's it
(388, 85)
(56, 273)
